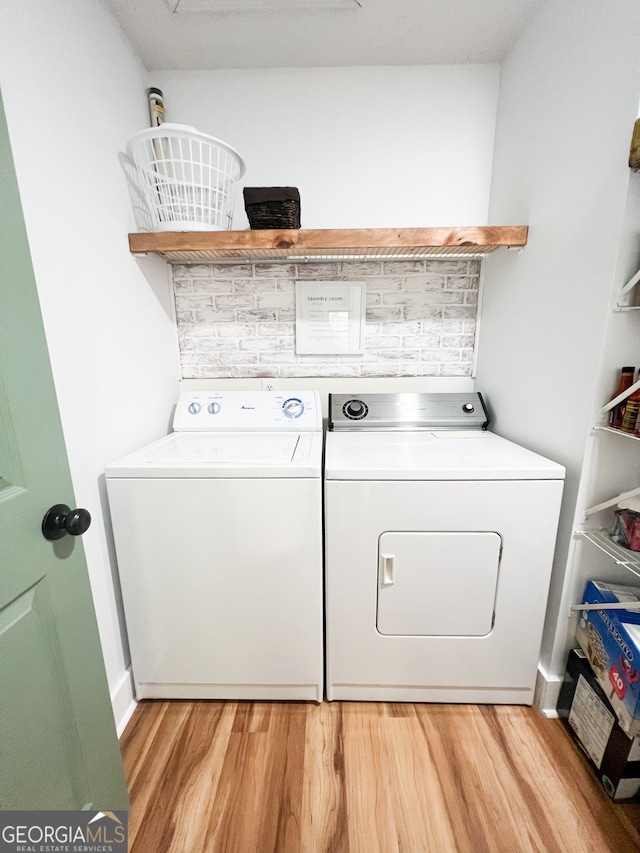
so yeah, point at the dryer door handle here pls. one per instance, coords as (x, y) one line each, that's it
(385, 569)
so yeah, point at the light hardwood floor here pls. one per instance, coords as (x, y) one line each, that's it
(347, 777)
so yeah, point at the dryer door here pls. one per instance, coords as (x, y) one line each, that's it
(437, 583)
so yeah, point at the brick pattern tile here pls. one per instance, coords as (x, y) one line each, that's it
(238, 321)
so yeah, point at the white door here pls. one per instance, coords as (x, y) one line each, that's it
(437, 583)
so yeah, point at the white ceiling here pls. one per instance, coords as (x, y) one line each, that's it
(381, 32)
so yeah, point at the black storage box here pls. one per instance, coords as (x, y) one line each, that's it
(272, 207)
(591, 721)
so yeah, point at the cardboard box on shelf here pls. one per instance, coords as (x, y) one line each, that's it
(611, 642)
(589, 717)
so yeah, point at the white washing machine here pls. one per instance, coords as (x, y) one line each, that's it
(218, 533)
(439, 539)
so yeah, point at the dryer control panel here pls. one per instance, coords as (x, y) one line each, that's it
(407, 411)
(259, 411)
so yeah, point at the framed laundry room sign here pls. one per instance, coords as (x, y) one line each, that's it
(330, 317)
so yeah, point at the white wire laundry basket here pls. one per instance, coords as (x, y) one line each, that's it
(180, 179)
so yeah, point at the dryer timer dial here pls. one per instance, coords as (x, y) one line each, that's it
(355, 410)
(293, 407)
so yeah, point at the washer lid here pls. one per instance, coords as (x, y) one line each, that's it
(211, 454)
(421, 455)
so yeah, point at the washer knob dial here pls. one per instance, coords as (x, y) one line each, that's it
(213, 408)
(355, 409)
(468, 408)
(194, 408)
(293, 407)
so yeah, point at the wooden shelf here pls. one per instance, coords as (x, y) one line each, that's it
(327, 244)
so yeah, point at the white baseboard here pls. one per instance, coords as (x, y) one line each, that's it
(123, 701)
(547, 692)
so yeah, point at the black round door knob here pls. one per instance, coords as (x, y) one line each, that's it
(60, 520)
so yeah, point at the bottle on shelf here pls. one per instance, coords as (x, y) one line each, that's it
(617, 413)
(631, 412)
(156, 106)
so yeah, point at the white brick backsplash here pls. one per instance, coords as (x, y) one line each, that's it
(258, 315)
(260, 344)
(356, 270)
(201, 330)
(428, 369)
(238, 320)
(402, 328)
(275, 329)
(459, 341)
(385, 370)
(384, 315)
(455, 370)
(443, 355)
(403, 267)
(237, 300)
(202, 358)
(444, 327)
(424, 282)
(279, 358)
(318, 272)
(191, 271)
(461, 282)
(231, 270)
(421, 341)
(236, 330)
(238, 357)
(460, 311)
(188, 345)
(345, 370)
(255, 285)
(274, 270)
(210, 286)
(214, 315)
(390, 283)
(399, 355)
(382, 342)
(425, 312)
(189, 302)
(273, 300)
(459, 267)
(405, 297)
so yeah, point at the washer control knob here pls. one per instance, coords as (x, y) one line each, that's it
(193, 408)
(213, 408)
(293, 407)
(468, 408)
(355, 409)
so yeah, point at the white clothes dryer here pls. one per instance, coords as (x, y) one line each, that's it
(439, 540)
(218, 534)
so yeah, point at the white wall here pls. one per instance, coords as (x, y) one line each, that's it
(367, 147)
(567, 104)
(74, 92)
